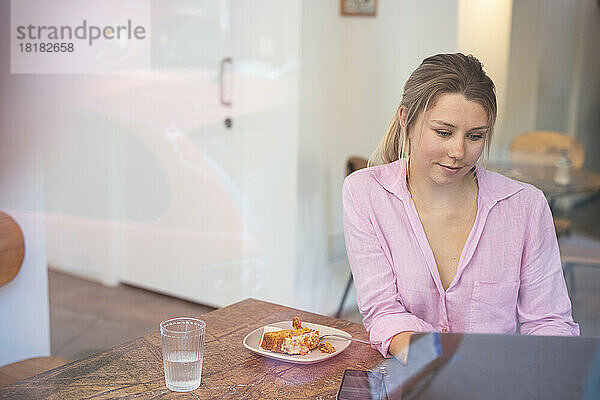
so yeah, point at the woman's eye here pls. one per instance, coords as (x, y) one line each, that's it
(475, 137)
(443, 133)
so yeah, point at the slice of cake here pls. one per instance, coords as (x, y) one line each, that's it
(291, 341)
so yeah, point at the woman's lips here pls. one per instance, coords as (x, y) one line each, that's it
(450, 170)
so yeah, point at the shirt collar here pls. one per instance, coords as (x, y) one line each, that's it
(493, 187)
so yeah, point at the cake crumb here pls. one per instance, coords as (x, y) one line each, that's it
(326, 347)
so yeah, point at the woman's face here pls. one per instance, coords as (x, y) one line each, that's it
(447, 141)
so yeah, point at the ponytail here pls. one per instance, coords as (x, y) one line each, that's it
(388, 150)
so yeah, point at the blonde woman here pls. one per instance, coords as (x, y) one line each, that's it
(438, 244)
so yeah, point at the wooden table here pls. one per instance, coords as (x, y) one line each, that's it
(134, 370)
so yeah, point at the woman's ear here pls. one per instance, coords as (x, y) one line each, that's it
(402, 116)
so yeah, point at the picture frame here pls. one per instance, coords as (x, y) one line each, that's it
(361, 8)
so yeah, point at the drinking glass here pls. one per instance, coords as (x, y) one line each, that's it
(183, 349)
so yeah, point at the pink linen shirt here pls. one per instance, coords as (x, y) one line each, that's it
(509, 276)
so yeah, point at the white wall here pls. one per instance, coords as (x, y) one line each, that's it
(24, 331)
(320, 94)
(484, 29)
(364, 62)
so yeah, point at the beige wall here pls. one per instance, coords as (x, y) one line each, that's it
(523, 73)
(584, 116)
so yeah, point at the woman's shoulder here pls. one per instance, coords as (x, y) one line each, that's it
(374, 177)
(500, 187)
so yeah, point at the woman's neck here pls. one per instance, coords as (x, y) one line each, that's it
(437, 198)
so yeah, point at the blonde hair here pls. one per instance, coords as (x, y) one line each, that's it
(437, 75)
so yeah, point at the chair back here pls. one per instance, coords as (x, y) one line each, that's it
(354, 163)
(545, 148)
(12, 248)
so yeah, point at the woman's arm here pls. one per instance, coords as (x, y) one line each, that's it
(543, 306)
(399, 346)
(384, 315)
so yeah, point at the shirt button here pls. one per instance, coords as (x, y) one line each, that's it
(444, 330)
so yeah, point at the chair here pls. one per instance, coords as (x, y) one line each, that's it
(562, 226)
(353, 163)
(12, 248)
(12, 252)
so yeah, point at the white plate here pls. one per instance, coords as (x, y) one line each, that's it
(252, 343)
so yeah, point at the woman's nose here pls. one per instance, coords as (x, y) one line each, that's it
(457, 148)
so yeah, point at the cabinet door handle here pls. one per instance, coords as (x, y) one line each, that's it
(226, 60)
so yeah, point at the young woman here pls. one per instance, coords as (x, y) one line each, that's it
(438, 244)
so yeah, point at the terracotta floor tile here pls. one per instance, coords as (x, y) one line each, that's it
(65, 327)
(101, 335)
(87, 317)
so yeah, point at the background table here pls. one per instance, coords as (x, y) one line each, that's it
(542, 177)
(134, 370)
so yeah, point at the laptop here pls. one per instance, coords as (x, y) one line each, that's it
(477, 366)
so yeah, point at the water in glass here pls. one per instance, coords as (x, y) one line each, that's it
(183, 370)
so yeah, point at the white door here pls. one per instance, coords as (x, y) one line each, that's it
(148, 183)
(183, 227)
